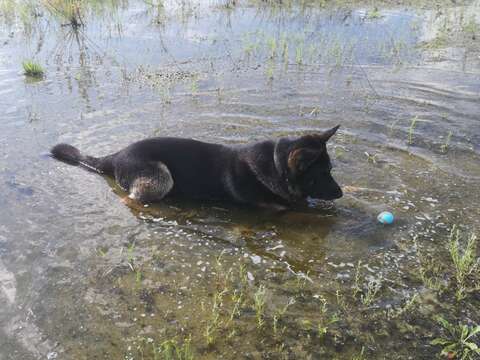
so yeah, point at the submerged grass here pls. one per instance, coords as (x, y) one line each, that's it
(244, 313)
(445, 146)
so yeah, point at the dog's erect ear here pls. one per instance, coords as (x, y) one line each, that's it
(300, 159)
(329, 133)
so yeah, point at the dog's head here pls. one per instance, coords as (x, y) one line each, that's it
(305, 165)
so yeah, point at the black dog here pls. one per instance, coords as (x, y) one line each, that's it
(268, 173)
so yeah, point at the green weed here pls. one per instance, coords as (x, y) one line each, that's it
(32, 69)
(360, 355)
(370, 295)
(259, 304)
(411, 130)
(279, 313)
(374, 14)
(356, 285)
(213, 324)
(371, 157)
(171, 350)
(68, 10)
(299, 54)
(464, 260)
(446, 145)
(471, 28)
(130, 256)
(459, 341)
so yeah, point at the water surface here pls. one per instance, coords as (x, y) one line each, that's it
(84, 276)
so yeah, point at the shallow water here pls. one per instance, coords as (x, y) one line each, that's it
(84, 276)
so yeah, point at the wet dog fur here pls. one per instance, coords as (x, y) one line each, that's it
(274, 173)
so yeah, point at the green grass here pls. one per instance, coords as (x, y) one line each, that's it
(299, 53)
(411, 130)
(462, 272)
(471, 28)
(464, 260)
(71, 11)
(459, 341)
(259, 305)
(32, 69)
(171, 350)
(370, 294)
(446, 145)
(374, 14)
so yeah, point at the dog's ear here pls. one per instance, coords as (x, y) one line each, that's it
(329, 133)
(300, 159)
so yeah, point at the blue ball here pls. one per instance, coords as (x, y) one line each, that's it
(385, 217)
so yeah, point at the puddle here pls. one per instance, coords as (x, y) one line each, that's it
(83, 276)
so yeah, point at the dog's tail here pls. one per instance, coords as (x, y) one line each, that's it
(71, 155)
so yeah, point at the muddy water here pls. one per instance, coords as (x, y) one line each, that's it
(83, 276)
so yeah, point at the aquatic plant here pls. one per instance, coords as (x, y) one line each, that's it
(283, 47)
(301, 281)
(371, 157)
(315, 111)
(339, 152)
(299, 54)
(373, 286)
(337, 53)
(360, 355)
(237, 298)
(429, 270)
(374, 14)
(340, 300)
(325, 321)
(68, 10)
(194, 85)
(272, 45)
(408, 306)
(471, 28)
(243, 274)
(446, 145)
(464, 260)
(356, 285)
(411, 130)
(101, 252)
(459, 341)
(279, 313)
(259, 305)
(130, 256)
(270, 70)
(32, 69)
(138, 277)
(229, 4)
(213, 323)
(171, 350)
(323, 326)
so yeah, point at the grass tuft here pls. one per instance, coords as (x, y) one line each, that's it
(459, 341)
(32, 69)
(464, 260)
